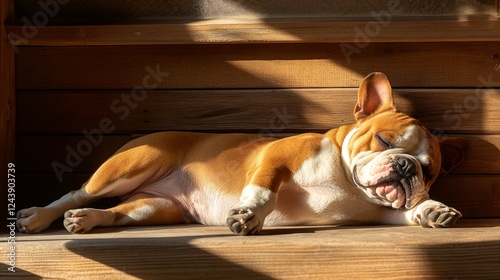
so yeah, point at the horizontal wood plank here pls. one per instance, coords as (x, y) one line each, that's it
(259, 111)
(38, 153)
(257, 66)
(115, 10)
(470, 250)
(475, 196)
(370, 29)
(482, 155)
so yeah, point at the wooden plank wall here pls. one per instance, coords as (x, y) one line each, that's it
(77, 105)
(86, 87)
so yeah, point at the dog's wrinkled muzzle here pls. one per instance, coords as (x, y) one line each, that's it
(391, 180)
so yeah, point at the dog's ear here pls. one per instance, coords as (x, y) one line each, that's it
(452, 153)
(374, 95)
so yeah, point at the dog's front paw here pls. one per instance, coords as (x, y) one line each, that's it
(243, 221)
(437, 215)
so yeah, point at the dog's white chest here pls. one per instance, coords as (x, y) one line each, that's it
(323, 168)
(319, 192)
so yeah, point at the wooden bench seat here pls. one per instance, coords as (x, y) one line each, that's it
(471, 250)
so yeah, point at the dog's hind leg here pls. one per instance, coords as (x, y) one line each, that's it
(36, 219)
(140, 209)
(132, 166)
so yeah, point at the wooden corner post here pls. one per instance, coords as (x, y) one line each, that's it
(7, 104)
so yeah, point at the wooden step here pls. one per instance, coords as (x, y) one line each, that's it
(470, 250)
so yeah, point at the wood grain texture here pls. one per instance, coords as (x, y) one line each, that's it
(115, 10)
(476, 196)
(415, 65)
(259, 111)
(470, 250)
(235, 30)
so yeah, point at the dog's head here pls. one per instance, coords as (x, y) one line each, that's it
(392, 157)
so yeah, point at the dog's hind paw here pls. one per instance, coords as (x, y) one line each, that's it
(79, 220)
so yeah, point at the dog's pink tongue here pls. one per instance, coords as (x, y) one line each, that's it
(391, 193)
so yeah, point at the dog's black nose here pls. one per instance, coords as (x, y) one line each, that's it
(406, 166)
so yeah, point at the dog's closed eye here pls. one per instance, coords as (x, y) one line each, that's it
(383, 141)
